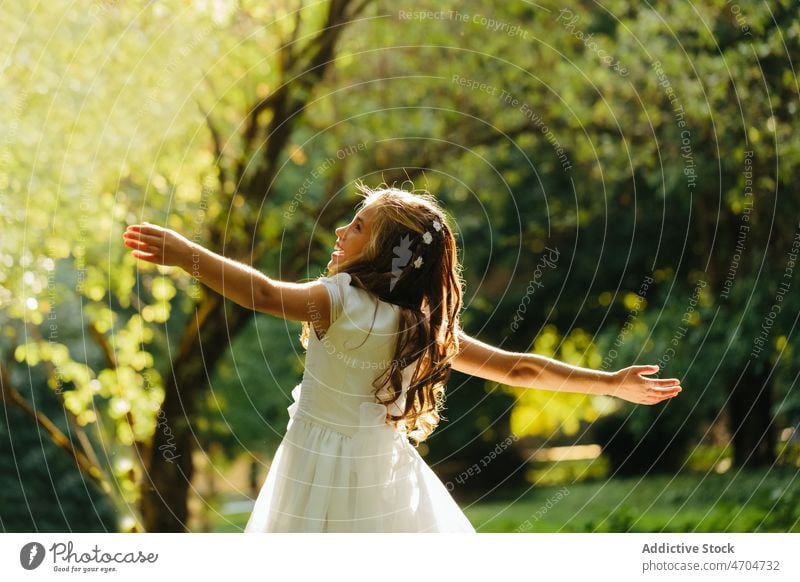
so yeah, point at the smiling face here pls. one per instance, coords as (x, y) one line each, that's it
(351, 239)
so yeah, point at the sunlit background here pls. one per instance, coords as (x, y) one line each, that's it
(623, 177)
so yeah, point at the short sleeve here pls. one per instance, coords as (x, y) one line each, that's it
(337, 286)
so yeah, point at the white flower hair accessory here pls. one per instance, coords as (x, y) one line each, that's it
(437, 225)
(427, 238)
(418, 263)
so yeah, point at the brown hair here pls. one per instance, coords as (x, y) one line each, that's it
(429, 297)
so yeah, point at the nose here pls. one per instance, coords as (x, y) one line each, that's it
(340, 231)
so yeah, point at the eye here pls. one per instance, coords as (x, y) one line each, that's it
(358, 227)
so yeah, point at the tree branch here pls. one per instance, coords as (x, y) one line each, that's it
(292, 95)
(12, 395)
(111, 360)
(216, 140)
(83, 438)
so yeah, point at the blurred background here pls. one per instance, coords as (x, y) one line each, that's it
(623, 179)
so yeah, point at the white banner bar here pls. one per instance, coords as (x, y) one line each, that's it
(386, 557)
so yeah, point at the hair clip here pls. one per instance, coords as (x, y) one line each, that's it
(427, 238)
(418, 263)
(437, 225)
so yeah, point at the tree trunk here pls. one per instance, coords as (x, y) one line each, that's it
(752, 426)
(168, 463)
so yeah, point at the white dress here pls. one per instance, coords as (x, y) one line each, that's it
(340, 466)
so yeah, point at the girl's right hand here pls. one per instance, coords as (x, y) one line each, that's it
(158, 245)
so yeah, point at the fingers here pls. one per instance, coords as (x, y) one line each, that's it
(154, 236)
(661, 395)
(661, 382)
(141, 241)
(655, 394)
(144, 242)
(141, 246)
(665, 386)
(145, 256)
(664, 389)
(655, 399)
(145, 227)
(645, 369)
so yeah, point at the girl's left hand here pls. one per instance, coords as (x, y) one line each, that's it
(158, 245)
(631, 384)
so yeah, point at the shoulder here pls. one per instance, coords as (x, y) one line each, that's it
(356, 303)
(338, 290)
(338, 286)
(339, 279)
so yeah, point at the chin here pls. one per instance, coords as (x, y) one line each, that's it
(336, 265)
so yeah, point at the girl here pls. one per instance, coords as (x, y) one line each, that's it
(382, 333)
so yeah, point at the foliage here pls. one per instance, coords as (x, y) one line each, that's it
(251, 390)
(541, 413)
(41, 489)
(120, 113)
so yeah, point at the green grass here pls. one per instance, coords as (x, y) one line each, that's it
(750, 501)
(232, 523)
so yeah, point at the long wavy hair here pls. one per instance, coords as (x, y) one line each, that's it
(411, 261)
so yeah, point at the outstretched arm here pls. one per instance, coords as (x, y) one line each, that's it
(238, 282)
(535, 371)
